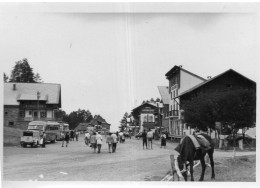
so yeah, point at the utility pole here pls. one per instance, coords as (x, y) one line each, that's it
(38, 111)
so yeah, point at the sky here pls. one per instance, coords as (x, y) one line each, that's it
(109, 62)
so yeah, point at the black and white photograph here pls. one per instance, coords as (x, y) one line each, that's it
(129, 92)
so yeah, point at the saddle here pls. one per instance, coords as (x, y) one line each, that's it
(200, 142)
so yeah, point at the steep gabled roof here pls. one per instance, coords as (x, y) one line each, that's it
(150, 104)
(28, 91)
(178, 68)
(210, 80)
(164, 92)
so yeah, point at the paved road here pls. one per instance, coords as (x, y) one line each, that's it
(79, 163)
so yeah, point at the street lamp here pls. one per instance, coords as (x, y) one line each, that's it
(38, 97)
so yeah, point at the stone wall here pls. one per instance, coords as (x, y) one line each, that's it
(11, 114)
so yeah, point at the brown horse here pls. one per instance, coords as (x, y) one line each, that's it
(188, 153)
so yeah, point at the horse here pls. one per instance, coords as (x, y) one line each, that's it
(188, 153)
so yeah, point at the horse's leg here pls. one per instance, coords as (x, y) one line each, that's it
(191, 170)
(212, 164)
(203, 165)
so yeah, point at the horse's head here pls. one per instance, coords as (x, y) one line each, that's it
(182, 168)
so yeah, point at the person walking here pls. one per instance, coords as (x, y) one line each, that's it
(114, 143)
(72, 135)
(67, 138)
(93, 142)
(43, 139)
(99, 141)
(87, 138)
(117, 135)
(109, 142)
(77, 135)
(163, 140)
(144, 136)
(62, 136)
(150, 139)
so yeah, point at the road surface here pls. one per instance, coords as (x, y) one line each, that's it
(78, 162)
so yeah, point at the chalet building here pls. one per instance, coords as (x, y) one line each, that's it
(25, 102)
(228, 80)
(180, 80)
(98, 123)
(163, 90)
(82, 127)
(146, 115)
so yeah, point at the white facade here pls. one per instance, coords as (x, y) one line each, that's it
(187, 81)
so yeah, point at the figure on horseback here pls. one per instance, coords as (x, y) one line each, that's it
(195, 147)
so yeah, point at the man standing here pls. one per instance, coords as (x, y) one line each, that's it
(144, 136)
(150, 138)
(99, 141)
(67, 138)
(114, 142)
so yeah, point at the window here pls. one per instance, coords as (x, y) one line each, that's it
(11, 123)
(30, 112)
(6, 113)
(21, 114)
(43, 114)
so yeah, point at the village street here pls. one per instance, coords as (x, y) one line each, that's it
(79, 163)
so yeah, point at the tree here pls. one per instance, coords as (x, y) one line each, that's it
(158, 100)
(235, 109)
(37, 78)
(5, 78)
(123, 122)
(22, 72)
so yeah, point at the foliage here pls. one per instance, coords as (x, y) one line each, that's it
(5, 78)
(123, 122)
(235, 109)
(75, 117)
(22, 72)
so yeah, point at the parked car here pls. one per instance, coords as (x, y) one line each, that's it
(30, 137)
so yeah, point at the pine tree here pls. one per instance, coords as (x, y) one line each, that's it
(5, 78)
(22, 72)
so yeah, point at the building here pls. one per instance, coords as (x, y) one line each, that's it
(180, 80)
(164, 92)
(146, 115)
(100, 124)
(228, 80)
(82, 127)
(224, 82)
(25, 102)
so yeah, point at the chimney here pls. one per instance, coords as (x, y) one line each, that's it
(209, 77)
(180, 66)
(14, 87)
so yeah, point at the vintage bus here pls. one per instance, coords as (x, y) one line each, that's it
(52, 129)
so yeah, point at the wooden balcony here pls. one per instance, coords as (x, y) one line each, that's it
(38, 119)
(173, 113)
